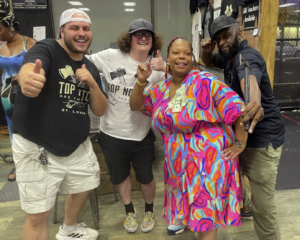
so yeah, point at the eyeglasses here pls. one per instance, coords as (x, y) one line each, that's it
(140, 35)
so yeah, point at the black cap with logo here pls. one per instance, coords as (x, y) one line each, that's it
(221, 23)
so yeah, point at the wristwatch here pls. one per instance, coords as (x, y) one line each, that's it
(239, 144)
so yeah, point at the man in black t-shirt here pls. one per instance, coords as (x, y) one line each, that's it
(261, 157)
(51, 147)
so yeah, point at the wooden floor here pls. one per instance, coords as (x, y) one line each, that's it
(112, 213)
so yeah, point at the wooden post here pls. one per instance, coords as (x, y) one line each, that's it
(268, 32)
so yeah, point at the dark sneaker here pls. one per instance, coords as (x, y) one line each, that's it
(247, 215)
(13, 92)
(7, 88)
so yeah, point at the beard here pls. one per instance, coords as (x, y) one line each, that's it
(233, 49)
(72, 48)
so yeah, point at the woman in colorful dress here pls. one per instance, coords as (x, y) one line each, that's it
(13, 47)
(195, 114)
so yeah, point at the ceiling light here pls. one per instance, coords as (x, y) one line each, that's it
(84, 9)
(129, 4)
(129, 9)
(75, 3)
(287, 4)
(297, 11)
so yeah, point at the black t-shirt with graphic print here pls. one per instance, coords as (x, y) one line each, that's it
(229, 8)
(57, 118)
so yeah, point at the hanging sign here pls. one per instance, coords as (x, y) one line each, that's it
(29, 4)
(250, 16)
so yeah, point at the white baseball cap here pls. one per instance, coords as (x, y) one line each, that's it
(66, 17)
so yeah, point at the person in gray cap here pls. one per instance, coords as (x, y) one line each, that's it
(126, 137)
(261, 156)
(51, 144)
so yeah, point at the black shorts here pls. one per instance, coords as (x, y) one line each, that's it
(119, 153)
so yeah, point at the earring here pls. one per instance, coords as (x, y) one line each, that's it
(12, 28)
(167, 67)
(167, 70)
(10, 33)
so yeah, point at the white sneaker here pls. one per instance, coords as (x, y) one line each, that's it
(79, 233)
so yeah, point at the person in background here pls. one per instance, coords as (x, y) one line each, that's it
(195, 114)
(13, 47)
(261, 157)
(51, 144)
(126, 137)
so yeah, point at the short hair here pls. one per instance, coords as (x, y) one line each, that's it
(124, 42)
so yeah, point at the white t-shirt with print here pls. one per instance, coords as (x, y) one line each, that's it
(120, 72)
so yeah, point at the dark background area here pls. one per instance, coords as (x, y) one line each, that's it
(29, 18)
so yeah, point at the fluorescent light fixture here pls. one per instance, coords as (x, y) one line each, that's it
(75, 3)
(129, 4)
(129, 9)
(84, 9)
(287, 4)
(297, 11)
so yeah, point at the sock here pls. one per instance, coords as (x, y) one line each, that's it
(129, 208)
(69, 228)
(148, 207)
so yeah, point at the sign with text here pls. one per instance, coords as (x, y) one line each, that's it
(29, 4)
(250, 16)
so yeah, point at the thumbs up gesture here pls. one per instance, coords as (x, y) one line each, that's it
(158, 64)
(33, 82)
(83, 75)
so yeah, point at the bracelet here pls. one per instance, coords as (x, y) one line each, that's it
(140, 83)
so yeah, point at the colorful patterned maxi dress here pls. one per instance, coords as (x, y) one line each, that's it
(202, 189)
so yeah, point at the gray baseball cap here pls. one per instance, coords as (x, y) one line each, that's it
(221, 23)
(140, 24)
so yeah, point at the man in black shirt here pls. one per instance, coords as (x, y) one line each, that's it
(261, 157)
(51, 147)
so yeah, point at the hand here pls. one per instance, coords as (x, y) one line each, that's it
(252, 111)
(158, 64)
(83, 75)
(143, 72)
(232, 152)
(34, 82)
(207, 45)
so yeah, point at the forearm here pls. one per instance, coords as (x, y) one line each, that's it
(240, 133)
(207, 58)
(136, 98)
(98, 101)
